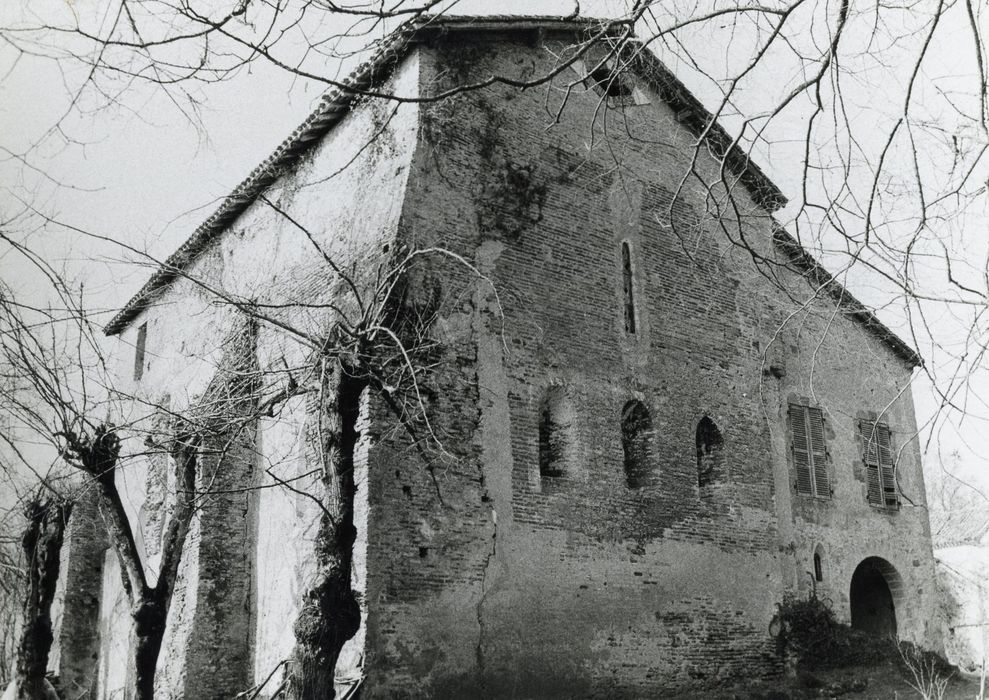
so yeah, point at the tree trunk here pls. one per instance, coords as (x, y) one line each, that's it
(330, 613)
(149, 631)
(42, 544)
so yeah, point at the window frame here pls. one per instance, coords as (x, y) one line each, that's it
(816, 458)
(877, 468)
(638, 433)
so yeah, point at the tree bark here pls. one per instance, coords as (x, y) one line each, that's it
(149, 605)
(330, 613)
(42, 544)
(149, 631)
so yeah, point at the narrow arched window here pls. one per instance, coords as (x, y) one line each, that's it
(710, 452)
(819, 564)
(555, 434)
(627, 288)
(550, 463)
(637, 437)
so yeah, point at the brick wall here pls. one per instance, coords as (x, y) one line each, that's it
(499, 581)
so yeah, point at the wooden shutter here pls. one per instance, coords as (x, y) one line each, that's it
(886, 473)
(818, 460)
(878, 457)
(801, 451)
(809, 451)
(870, 455)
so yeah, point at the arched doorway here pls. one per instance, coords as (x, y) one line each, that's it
(873, 596)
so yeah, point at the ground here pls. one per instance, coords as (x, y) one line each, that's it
(886, 681)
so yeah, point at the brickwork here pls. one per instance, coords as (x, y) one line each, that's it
(479, 575)
(579, 585)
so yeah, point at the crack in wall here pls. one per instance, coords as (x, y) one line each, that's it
(479, 608)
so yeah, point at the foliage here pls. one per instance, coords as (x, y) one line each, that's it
(807, 627)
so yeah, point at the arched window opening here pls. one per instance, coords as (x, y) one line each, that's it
(818, 565)
(875, 592)
(555, 438)
(637, 437)
(627, 290)
(710, 452)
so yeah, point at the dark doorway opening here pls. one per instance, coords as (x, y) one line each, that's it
(871, 596)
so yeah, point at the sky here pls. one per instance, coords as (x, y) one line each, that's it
(146, 166)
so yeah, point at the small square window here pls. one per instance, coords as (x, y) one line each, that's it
(609, 82)
(617, 85)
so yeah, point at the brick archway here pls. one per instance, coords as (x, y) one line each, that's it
(875, 594)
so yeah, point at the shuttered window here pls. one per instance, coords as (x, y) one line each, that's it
(877, 453)
(809, 452)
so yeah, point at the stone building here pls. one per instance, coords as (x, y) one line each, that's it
(659, 415)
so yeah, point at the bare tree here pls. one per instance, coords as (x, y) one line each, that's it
(42, 544)
(55, 400)
(871, 117)
(377, 339)
(847, 183)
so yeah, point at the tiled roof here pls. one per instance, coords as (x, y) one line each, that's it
(374, 71)
(960, 526)
(847, 304)
(371, 73)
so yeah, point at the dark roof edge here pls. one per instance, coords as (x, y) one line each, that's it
(848, 304)
(700, 122)
(375, 69)
(332, 108)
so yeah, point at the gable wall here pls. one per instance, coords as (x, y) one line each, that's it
(495, 577)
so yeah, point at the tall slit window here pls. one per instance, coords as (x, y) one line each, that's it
(809, 451)
(877, 454)
(139, 345)
(627, 288)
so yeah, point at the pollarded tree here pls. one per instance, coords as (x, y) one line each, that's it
(374, 339)
(61, 398)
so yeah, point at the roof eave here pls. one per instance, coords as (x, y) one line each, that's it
(375, 70)
(847, 303)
